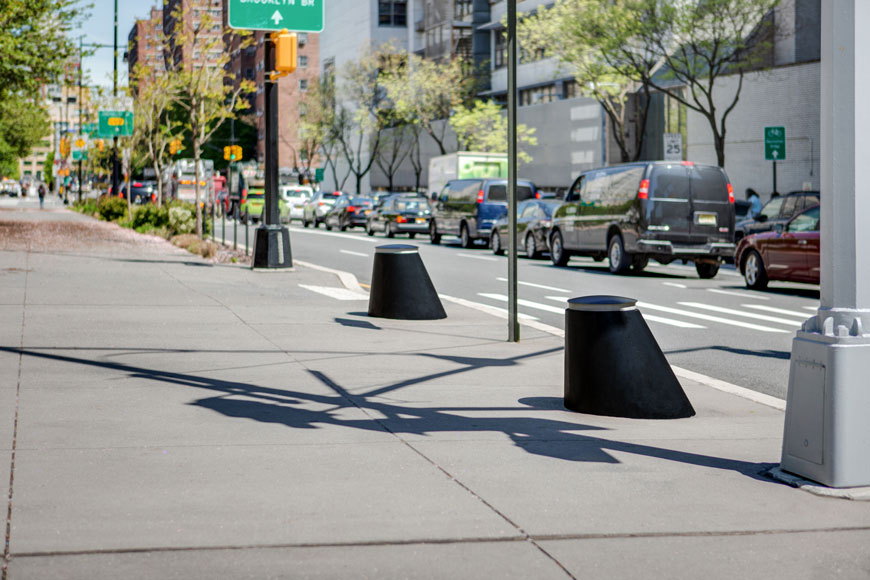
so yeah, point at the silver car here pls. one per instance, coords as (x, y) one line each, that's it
(315, 210)
(296, 196)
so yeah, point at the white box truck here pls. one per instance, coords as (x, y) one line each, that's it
(465, 165)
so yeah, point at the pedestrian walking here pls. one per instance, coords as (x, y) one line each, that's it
(752, 197)
(41, 195)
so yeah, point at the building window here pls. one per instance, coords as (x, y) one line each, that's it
(500, 57)
(572, 90)
(303, 61)
(393, 13)
(538, 95)
(303, 85)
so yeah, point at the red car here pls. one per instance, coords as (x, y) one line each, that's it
(789, 253)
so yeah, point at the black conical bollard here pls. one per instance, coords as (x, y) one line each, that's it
(613, 364)
(401, 287)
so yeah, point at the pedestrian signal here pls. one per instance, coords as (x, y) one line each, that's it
(286, 45)
(174, 146)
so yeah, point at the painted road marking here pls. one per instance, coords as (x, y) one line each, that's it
(533, 285)
(337, 293)
(494, 310)
(741, 294)
(691, 314)
(372, 240)
(802, 315)
(813, 308)
(733, 312)
(473, 257)
(649, 317)
(349, 253)
(526, 303)
(674, 285)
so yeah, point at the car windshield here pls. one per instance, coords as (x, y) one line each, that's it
(361, 201)
(298, 193)
(771, 209)
(256, 195)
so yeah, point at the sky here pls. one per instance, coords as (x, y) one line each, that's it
(98, 29)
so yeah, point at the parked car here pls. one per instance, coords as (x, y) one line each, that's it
(790, 252)
(348, 212)
(469, 208)
(141, 192)
(652, 210)
(296, 196)
(400, 213)
(534, 219)
(316, 208)
(778, 210)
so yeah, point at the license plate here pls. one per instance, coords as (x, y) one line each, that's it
(706, 219)
(421, 220)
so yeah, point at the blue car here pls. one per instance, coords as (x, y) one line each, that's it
(469, 208)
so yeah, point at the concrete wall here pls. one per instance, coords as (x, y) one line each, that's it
(788, 97)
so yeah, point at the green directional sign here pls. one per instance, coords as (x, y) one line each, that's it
(293, 15)
(115, 124)
(774, 143)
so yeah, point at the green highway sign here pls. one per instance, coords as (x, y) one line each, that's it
(115, 124)
(293, 15)
(319, 174)
(774, 143)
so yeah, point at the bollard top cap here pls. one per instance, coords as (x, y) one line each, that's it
(397, 249)
(602, 303)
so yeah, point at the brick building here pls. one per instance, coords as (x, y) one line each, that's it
(145, 44)
(180, 51)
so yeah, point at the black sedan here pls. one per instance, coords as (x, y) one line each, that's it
(142, 192)
(778, 211)
(534, 219)
(400, 213)
(348, 212)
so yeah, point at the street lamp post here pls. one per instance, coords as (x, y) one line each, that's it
(513, 316)
(115, 180)
(827, 433)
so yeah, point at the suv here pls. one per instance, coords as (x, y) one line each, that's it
(469, 208)
(662, 210)
(778, 210)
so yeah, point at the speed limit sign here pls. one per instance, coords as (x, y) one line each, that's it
(673, 146)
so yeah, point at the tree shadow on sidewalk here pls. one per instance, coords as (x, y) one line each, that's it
(554, 438)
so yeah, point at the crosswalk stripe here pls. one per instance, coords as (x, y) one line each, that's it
(802, 315)
(690, 314)
(526, 303)
(740, 294)
(337, 293)
(813, 308)
(533, 285)
(733, 312)
(649, 317)
(349, 253)
(494, 310)
(674, 285)
(472, 256)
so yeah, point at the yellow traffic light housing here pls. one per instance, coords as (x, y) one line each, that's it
(228, 153)
(175, 146)
(237, 152)
(286, 44)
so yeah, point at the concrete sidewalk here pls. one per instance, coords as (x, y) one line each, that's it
(169, 418)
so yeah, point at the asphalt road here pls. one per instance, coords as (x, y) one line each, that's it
(715, 327)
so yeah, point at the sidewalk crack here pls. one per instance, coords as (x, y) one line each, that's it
(4, 568)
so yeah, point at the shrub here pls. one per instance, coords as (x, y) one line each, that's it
(149, 217)
(181, 220)
(112, 208)
(87, 207)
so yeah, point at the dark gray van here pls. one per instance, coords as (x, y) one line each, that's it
(468, 208)
(661, 210)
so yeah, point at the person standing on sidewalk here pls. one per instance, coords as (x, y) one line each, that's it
(41, 195)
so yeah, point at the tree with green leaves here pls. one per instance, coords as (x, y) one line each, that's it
(428, 92)
(314, 124)
(155, 128)
(483, 128)
(205, 90)
(23, 124)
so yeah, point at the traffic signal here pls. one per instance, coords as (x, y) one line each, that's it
(285, 51)
(228, 153)
(237, 152)
(101, 145)
(175, 146)
(64, 147)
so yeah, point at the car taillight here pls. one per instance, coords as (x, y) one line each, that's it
(480, 196)
(121, 195)
(153, 198)
(401, 219)
(730, 194)
(643, 190)
(689, 163)
(137, 184)
(319, 203)
(537, 195)
(351, 208)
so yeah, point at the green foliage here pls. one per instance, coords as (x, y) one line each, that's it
(484, 128)
(149, 217)
(86, 207)
(47, 175)
(182, 220)
(112, 208)
(23, 124)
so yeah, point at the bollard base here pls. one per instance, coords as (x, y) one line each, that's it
(401, 287)
(272, 248)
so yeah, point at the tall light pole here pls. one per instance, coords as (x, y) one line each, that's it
(115, 180)
(827, 434)
(513, 320)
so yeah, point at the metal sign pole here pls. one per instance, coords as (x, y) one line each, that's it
(513, 321)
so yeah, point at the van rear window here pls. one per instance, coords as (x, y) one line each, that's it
(669, 181)
(709, 183)
(499, 193)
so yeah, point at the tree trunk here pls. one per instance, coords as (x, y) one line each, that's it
(196, 154)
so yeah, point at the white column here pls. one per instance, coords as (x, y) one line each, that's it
(827, 431)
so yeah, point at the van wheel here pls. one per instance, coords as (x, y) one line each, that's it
(706, 270)
(619, 260)
(369, 230)
(558, 255)
(639, 263)
(305, 223)
(434, 236)
(531, 247)
(328, 226)
(412, 235)
(391, 230)
(495, 244)
(754, 272)
(464, 238)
